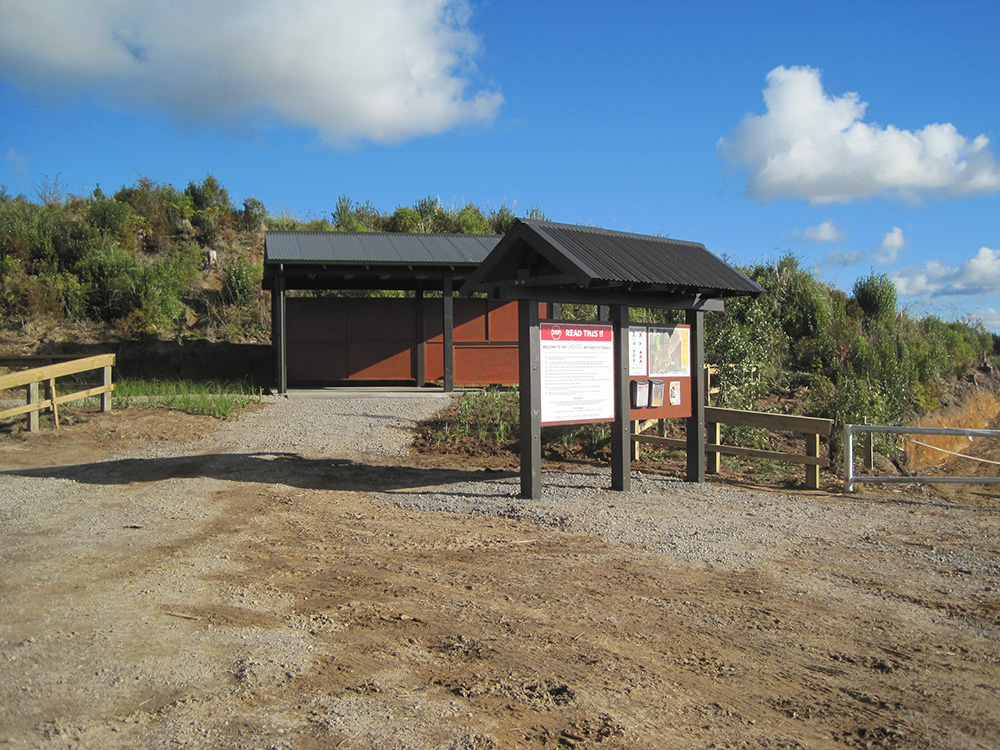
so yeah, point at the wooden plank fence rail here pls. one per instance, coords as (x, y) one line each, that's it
(35, 377)
(812, 427)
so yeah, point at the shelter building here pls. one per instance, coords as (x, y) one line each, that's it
(427, 336)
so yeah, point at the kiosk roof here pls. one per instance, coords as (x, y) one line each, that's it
(547, 256)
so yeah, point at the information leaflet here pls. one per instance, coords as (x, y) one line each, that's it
(577, 373)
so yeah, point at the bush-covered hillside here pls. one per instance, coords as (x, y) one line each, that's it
(132, 265)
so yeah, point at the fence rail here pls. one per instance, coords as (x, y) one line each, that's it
(35, 377)
(850, 429)
(812, 427)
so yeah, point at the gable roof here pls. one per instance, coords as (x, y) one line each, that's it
(377, 247)
(552, 257)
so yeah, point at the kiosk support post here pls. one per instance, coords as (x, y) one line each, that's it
(696, 422)
(530, 377)
(621, 433)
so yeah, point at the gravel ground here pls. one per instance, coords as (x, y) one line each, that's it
(101, 549)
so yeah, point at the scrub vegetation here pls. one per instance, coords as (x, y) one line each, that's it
(149, 261)
(830, 354)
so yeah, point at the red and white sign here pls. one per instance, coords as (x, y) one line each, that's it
(577, 372)
(574, 332)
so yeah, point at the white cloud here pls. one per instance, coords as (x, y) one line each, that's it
(990, 318)
(842, 258)
(814, 146)
(892, 243)
(383, 70)
(825, 232)
(978, 275)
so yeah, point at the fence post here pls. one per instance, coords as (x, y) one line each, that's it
(713, 458)
(812, 470)
(867, 448)
(106, 397)
(33, 414)
(634, 451)
(51, 389)
(848, 458)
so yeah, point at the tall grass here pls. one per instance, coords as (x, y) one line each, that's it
(211, 398)
(491, 419)
(490, 415)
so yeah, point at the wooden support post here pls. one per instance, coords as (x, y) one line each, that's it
(420, 337)
(634, 451)
(33, 414)
(449, 334)
(713, 459)
(696, 422)
(50, 388)
(530, 392)
(812, 472)
(621, 436)
(106, 397)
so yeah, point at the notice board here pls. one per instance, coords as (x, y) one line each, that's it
(660, 371)
(577, 372)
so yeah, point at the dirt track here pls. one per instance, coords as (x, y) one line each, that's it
(202, 598)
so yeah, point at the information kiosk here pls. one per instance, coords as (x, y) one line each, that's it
(573, 372)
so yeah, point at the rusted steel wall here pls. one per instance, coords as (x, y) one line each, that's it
(331, 340)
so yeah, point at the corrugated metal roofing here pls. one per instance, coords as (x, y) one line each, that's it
(595, 257)
(377, 247)
(606, 255)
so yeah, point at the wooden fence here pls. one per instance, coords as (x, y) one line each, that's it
(812, 427)
(33, 378)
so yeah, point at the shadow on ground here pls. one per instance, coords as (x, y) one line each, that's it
(264, 468)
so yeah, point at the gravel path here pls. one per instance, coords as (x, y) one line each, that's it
(701, 524)
(149, 592)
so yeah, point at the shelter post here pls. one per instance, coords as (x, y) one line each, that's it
(530, 391)
(448, 305)
(621, 432)
(420, 334)
(278, 331)
(696, 422)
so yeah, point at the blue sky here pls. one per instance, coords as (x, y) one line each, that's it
(859, 136)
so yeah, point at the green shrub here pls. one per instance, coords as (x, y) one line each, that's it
(344, 218)
(876, 296)
(239, 283)
(404, 219)
(253, 215)
(470, 220)
(501, 220)
(207, 224)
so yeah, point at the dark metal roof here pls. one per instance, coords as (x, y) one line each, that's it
(377, 248)
(593, 258)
